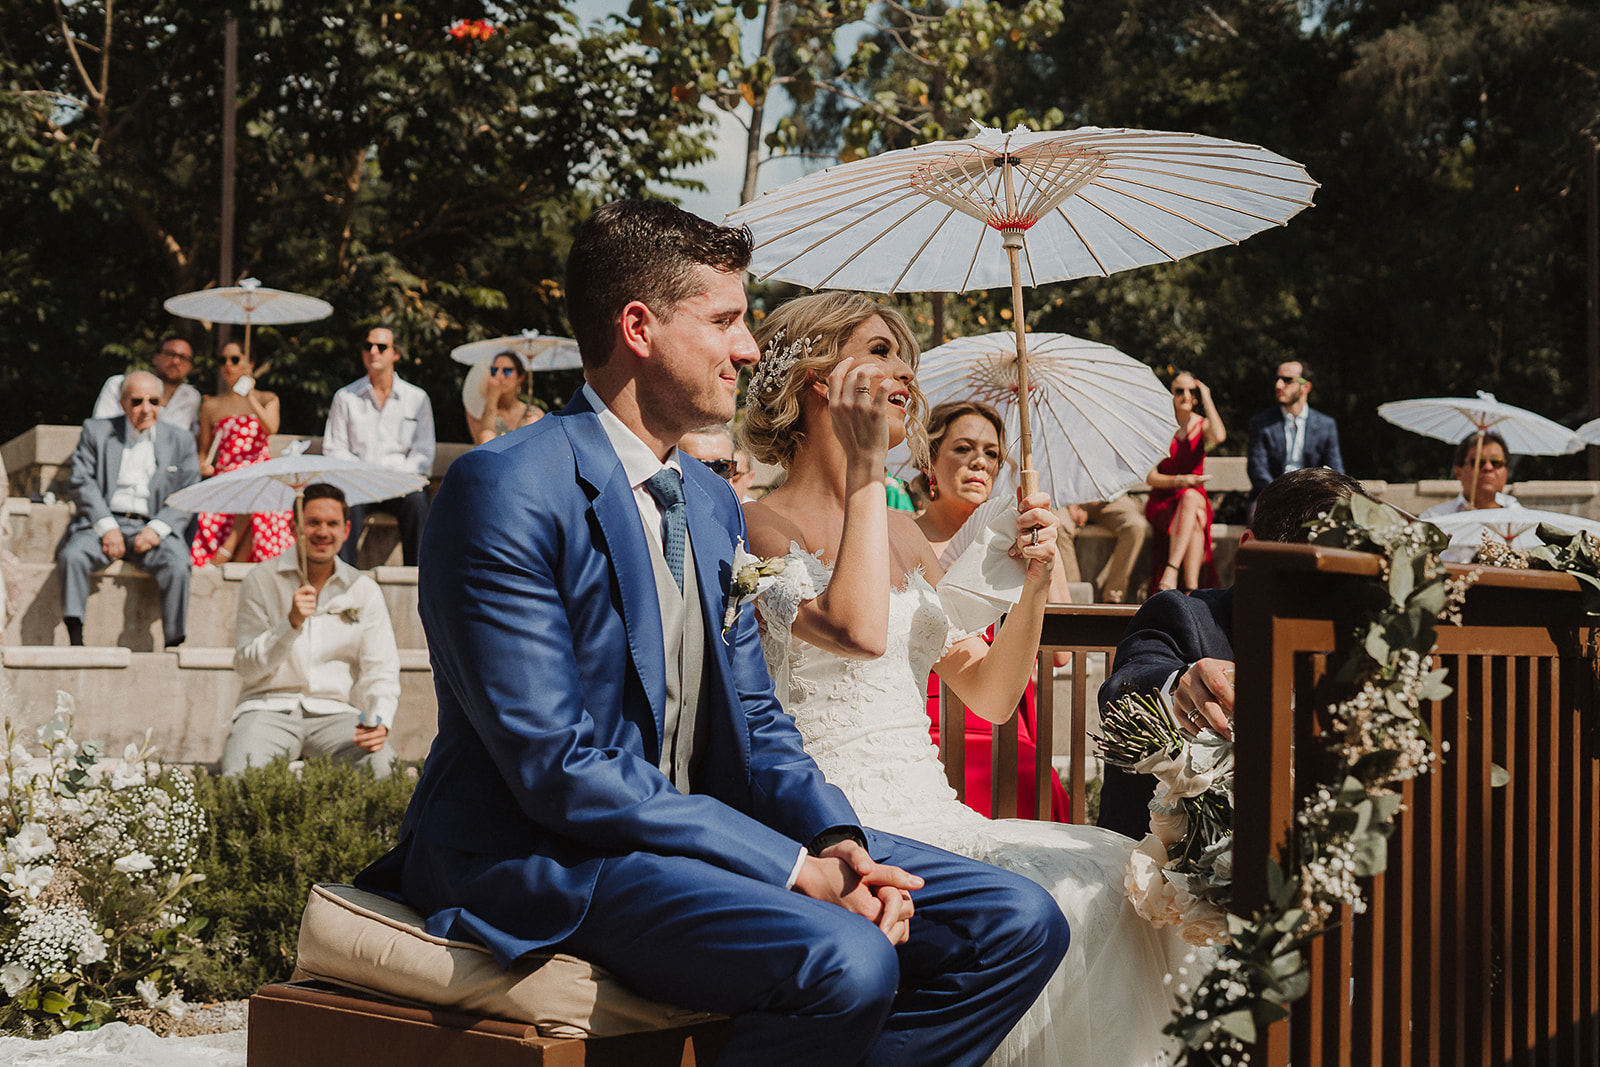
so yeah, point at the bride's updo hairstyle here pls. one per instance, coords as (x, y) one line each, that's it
(800, 344)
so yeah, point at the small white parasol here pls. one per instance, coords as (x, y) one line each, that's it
(536, 351)
(248, 303)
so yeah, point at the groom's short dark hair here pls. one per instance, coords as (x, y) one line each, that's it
(643, 250)
(1294, 499)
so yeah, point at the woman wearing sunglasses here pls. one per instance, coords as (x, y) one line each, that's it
(1179, 509)
(235, 424)
(503, 408)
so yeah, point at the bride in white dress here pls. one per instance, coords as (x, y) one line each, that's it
(853, 625)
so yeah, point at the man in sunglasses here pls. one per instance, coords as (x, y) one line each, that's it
(1482, 474)
(123, 470)
(386, 421)
(180, 402)
(1292, 435)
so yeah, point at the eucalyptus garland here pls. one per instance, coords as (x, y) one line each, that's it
(1377, 742)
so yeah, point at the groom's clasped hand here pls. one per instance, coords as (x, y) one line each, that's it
(846, 874)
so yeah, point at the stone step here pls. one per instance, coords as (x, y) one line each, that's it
(184, 698)
(124, 609)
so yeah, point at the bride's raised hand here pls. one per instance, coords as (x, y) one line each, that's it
(1036, 535)
(858, 405)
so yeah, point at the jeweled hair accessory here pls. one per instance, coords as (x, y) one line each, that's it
(773, 368)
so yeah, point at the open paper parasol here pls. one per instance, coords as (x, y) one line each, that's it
(1102, 418)
(1019, 208)
(277, 483)
(1454, 419)
(1513, 527)
(251, 304)
(536, 351)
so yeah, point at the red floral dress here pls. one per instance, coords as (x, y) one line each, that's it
(242, 441)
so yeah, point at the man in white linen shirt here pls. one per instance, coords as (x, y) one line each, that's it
(386, 421)
(123, 470)
(317, 657)
(1489, 477)
(180, 402)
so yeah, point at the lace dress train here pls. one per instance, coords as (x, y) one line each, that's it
(864, 723)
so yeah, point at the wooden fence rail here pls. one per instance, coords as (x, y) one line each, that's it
(1479, 945)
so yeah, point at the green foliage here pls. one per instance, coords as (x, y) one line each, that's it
(406, 175)
(273, 834)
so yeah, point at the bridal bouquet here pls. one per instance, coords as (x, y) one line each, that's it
(95, 859)
(751, 577)
(1181, 874)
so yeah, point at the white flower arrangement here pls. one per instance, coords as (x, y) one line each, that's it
(95, 862)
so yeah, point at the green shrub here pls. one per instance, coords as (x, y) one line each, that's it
(271, 834)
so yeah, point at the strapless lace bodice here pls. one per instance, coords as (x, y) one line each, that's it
(864, 721)
(866, 725)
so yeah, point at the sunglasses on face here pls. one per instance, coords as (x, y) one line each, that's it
(1195, 392)
(141, 401)
(232, 359)
(724, 468)
(379, 345)
(1492, 464)
(1291, 379)
(503, 371)
(176, 355)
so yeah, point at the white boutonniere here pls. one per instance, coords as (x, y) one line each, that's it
(350, 613)
(751, 576)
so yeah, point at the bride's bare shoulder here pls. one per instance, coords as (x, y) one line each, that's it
(769, 529)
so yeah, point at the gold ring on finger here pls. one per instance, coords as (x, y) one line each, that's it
(862, 389)
(1035, 539)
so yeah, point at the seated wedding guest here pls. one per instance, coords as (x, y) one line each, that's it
(501, 408)
(180, 402)
(123, 470)
(1482, 475)
(1124, 518)
(966, 451)
(1183, 645)
(315, 654)
(713, 446)
(1179, 510)
(236, 426)
(384, 420)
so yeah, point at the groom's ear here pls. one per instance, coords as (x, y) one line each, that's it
(634, 326)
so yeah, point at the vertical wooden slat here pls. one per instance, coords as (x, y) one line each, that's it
(1479, 924)
(1505, 828)
(1527, 943)
(953, 739)
(1003, 769)
(1080, 730)
(1044, 732)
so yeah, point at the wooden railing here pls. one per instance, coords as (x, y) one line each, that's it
(1090, 633)
(1481, 942)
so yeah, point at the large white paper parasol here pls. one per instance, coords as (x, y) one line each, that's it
(536, 351)
(276, 484)
(249, 303)
(1102, 419)
(1512, 527)
(1454, 419)
(1019, 208)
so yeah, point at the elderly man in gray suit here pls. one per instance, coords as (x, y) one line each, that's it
(123, 470)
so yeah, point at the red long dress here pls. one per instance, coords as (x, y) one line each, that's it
(1184, 457)
(242, 442)
(979, 745)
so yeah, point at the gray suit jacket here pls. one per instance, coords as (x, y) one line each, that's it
(98, 459)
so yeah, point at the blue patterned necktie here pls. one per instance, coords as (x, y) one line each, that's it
(667, 487)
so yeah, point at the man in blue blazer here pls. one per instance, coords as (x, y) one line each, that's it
(1182, 645)
(612, 774)
(122, 472)
(1291, 435)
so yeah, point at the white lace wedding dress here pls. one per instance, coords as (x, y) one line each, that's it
(866, 725)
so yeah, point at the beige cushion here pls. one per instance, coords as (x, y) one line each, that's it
(369, 943)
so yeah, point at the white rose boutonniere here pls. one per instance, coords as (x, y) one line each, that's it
(751, 576)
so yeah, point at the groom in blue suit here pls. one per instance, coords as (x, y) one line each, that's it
(612, 774)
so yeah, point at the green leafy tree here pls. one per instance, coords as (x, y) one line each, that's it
(418, 164)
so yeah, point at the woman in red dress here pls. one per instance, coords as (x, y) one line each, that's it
(1179, 509)
(235, 425)
(965, 450)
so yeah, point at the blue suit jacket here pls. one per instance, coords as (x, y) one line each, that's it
(1267, 447)
(539, 603)
(1170, 631)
